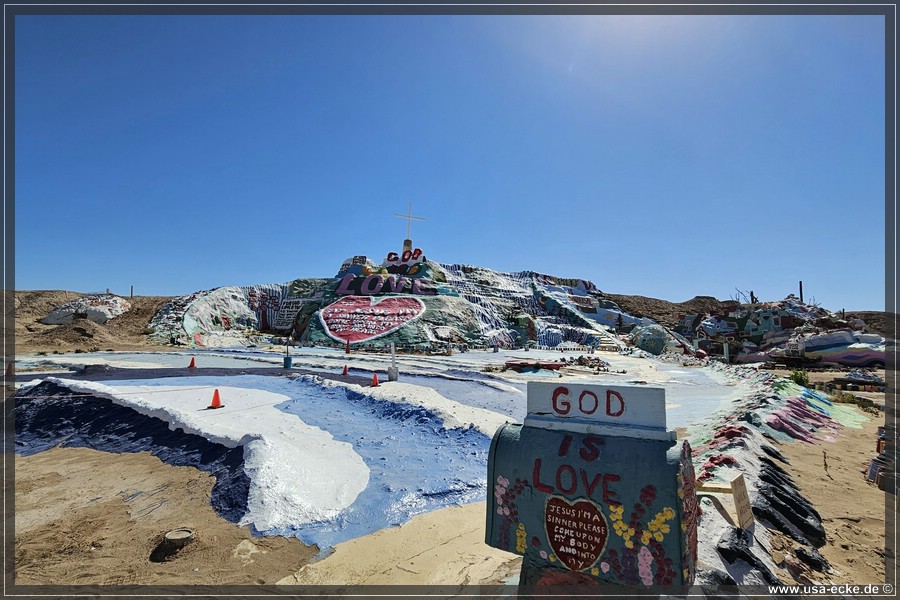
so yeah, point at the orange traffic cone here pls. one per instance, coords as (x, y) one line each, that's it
(193, 365)
(345, 371)
(10, 371)
(216, 401)
(374, 379)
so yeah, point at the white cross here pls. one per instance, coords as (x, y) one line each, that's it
(409, 219)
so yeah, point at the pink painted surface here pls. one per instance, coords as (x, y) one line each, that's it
(357, 319)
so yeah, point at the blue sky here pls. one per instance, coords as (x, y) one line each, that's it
(665, 156)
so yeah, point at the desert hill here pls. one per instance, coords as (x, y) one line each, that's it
(665, 312)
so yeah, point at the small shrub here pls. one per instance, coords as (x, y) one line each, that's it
(57, 352)
(843, 398)
(864, 404)
(78, 351)
(800, 377)
(42, 353)
(94, 349)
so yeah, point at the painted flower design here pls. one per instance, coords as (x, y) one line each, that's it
(643, 559)
(505, 497)
(648, 494)
(521, 537)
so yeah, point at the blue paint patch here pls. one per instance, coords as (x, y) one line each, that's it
(474, 392)
(816, 401)
(416, 465)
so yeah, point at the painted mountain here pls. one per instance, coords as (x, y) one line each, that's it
(407, 300)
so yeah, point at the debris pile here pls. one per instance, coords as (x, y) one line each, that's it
(880, 466)
(592, 362)
(790, 332)
(864, 377)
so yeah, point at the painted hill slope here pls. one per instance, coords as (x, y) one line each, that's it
(408, 300)
(421, 305)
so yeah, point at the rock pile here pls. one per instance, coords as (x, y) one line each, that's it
(98, 308)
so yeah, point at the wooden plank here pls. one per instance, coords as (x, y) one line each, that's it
(742, 502)
(714, 489)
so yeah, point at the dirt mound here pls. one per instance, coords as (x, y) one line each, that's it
(882, 323)
(76, 526)
(132, 325)
(80, 333)
(665, 312)
(124, 332)
(706, 305)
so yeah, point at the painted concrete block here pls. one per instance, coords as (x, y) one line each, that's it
(582, 506)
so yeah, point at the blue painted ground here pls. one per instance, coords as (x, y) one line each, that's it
(415, 464)
(697, 396)
(475, 391)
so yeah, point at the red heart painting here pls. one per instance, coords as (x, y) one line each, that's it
(576, 531)
(360, 318)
